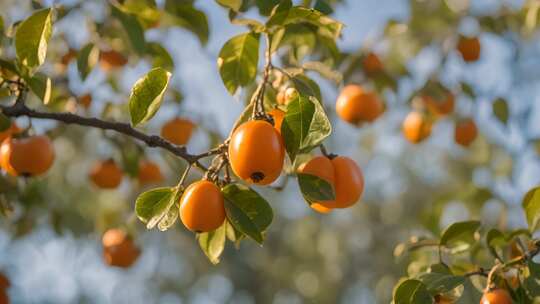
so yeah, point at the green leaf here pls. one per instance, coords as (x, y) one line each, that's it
(305, 125)
(87, 58)
(147, 94)
(238, 61)
(470, 294)
(145, 10)
(187, 16)
(152, 206)
(247, 211)
(5, 122)
(212, 243)
(459, 233)
(500, 110)
(323, 7)
(235, 5)
(438, 283)
(170, 217)
(495, 238)
(412, 291)
(281, 16)
(32, 38)
(315, 189)
(531, 205)
(133, 28)
(233, 234)
(160, 56)
(534, 269)
(41, 86)
(306, 86)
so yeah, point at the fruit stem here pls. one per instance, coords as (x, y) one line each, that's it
(325, 152)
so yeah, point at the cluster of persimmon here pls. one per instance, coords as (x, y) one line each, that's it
(256, 154)
(119, 249)
(4, 286)
(109, 59)
(25, 156)
(419, 123)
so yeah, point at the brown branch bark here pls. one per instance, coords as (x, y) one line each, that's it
(20, 109)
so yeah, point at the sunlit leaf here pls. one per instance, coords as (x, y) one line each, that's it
(41, 86)
(500, 110)
(153, 205)
(531, 206)
(235, 5)
(238, 61)
(133, 28)
(412, 292)
(458, 233)
(212, 243)
(87, 58)
(147, 94)
(438, 283)
(32, 38)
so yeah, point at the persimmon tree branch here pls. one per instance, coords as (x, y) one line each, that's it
(20, 109)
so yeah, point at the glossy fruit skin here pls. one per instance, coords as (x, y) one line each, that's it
(496, 296)
(256, 152)
(372, 64)
(202, 207)
(119, 249)
(465, 132)
(177, 130)
(106, 174)
(149, 173)
(278, 116)
(110, 60)
(440, 107)
(343, 173)
(30, 156)
(469, 48)
(416, 127)
(355, 105)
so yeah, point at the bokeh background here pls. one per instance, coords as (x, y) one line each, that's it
(50, 245)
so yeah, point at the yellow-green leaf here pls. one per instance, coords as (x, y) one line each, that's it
(147, 94)
(32, 38)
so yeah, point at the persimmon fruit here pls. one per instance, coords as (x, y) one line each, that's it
(416, 127)
(29, 156)
(496, 296)
(440, 107)
(106, 174)
(256, 152)
(278, 116)
(178, 130)
(202, 207)
(119, 249)
(469, 48)
(4, 281)
(343, 174)
(85, 100)
(372, 64)
(111, 59)
(4, 299)
(356, 105)
(465, 132)
(149, 173)
(12, 130)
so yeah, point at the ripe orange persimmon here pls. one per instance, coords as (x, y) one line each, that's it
(465, 132)
(355, 105)
(469, 48)
(109, 60)
(85, 100)
(4, 281)
(496, 296)
(416, 127)
(149, 173)
(119, 249)
(28, 156)
(177, 130)
(372, 64)
(13, 129)
(278, 116)
(440, 107)
(106, 174)
(202, 207)
(256, 152)
(4, 299)
(342, 173)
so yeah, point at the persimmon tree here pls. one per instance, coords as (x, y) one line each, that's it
(280, 134)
